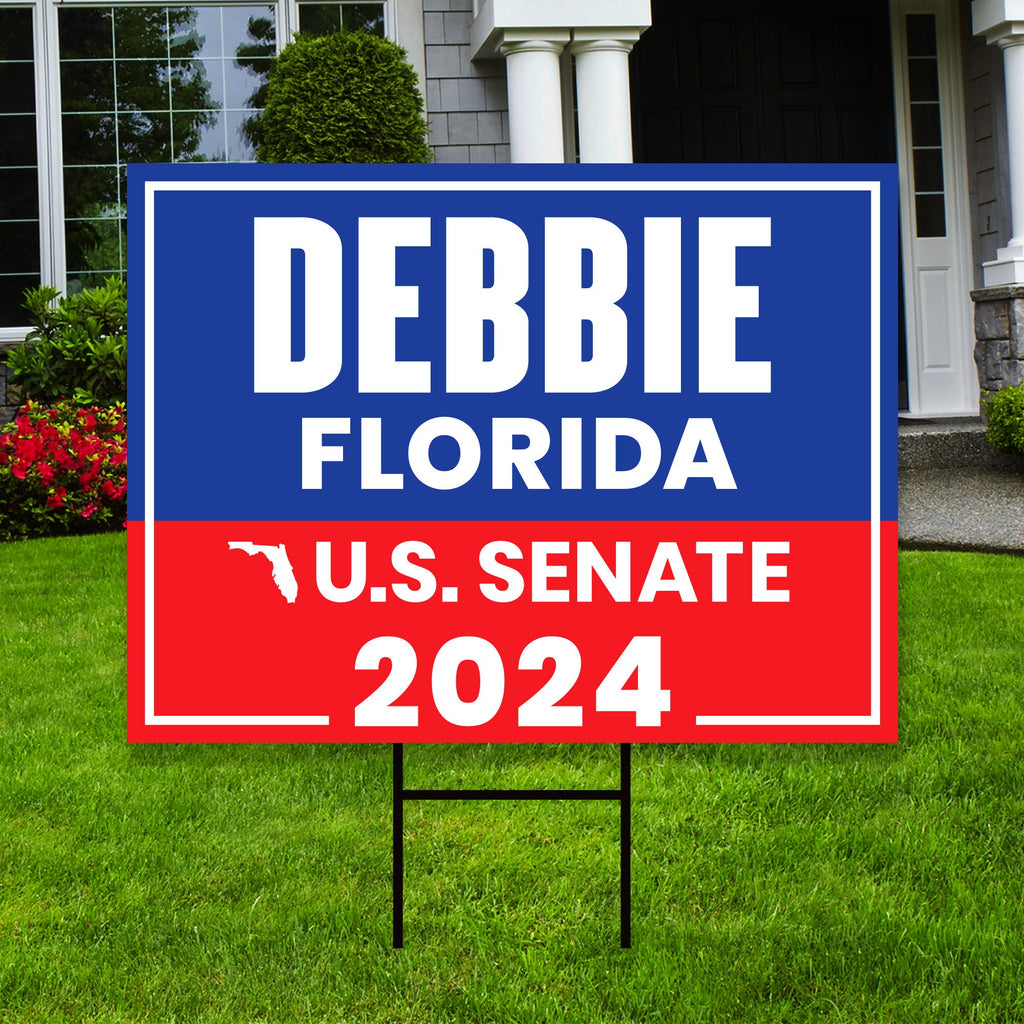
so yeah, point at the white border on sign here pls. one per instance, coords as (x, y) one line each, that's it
(871, 187)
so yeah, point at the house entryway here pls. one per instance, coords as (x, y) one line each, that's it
(799, 81)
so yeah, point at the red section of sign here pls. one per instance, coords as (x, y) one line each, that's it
(241, 630)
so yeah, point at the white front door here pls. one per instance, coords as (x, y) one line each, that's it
(934, 215)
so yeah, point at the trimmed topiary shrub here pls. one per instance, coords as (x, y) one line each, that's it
(344, 98)
(1004, 411)
(78, 348)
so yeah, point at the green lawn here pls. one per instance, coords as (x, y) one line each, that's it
(253, 883)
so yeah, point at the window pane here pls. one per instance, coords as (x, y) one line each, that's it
(921, 35)
(319, 19)
(15, 34)
(323, 19)
(19, 252)
(95, 246)
(197, 84)
(194, 32)
(244, 26)
(368, 17)
(144, 138)
(924, 79)
(140, 32)
(931, 216)
(87, 85)
(239, 125)
(19, 193)
(17, 87)
(12, 295)
(90, 191)
(925, 125)
(18, 140)
(19, 176)
(142, 84)
(86, 34)
(928, 170)
(243, 82)
(199, 138)
(89, 139)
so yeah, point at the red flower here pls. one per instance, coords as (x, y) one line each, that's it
(56, 459)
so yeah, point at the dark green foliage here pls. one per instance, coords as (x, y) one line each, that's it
(343, 98)
(77, 349)
(1005, 413)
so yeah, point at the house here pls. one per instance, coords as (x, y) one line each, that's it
(936, 85)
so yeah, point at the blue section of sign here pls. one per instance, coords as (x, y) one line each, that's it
(800, 452)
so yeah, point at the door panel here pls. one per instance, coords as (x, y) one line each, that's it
(753, 81)
(702, 110)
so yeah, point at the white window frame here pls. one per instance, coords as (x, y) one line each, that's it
(403, 22)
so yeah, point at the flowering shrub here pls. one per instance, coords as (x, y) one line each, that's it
(63, 469)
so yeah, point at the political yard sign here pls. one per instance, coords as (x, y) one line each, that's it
(517, 454)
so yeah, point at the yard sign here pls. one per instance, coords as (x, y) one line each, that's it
(512, 455)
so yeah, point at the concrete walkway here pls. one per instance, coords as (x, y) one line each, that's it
(955, 492)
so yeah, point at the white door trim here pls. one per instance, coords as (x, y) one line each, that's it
(937, 272)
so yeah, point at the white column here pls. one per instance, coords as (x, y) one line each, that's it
(1002, 22)
(1013, 65)
(535, 98)
(602, 96)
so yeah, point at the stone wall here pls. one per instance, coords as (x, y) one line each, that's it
(467, 102)
(7, 410)
(999, 334)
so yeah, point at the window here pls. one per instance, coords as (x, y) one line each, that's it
(149, 84)
(97, 85)
(925, 126)
(323, 19)
(19, 174)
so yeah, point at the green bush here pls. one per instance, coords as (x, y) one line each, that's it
(78, 348)
(344, 98)
(63, 471)
(1004, 411)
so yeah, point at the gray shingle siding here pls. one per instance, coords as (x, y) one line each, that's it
(7, 411)
(467, 102)
(984, 92)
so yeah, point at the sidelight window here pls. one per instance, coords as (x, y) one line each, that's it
(19, 172)
(925, 126)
